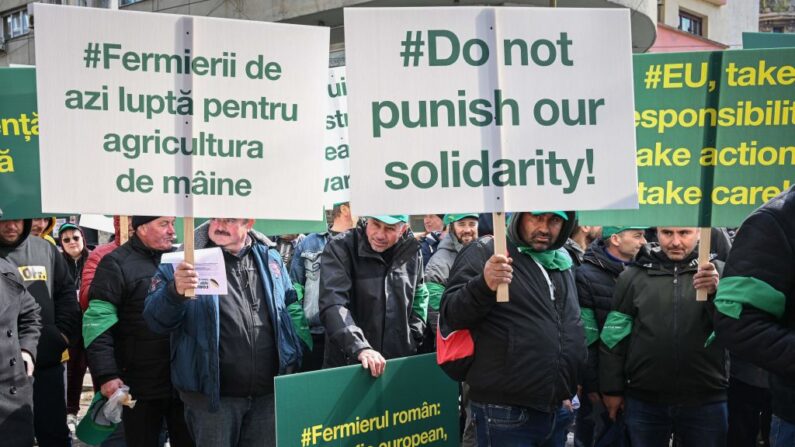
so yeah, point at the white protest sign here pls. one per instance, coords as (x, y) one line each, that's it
(479, 109)
(336, 151)
(161, 114)
(210, 267)
(97, 222)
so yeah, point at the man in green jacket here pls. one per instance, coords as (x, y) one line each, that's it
(655, 358)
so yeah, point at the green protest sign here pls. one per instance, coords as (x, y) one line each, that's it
(412, 404)
(19, 147)
(715, 137)
(768, 40)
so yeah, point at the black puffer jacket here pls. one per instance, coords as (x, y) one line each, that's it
(528, 351)
(130, 350)
(596, 280)
(367, 303)
(664, 358)
(762, 260)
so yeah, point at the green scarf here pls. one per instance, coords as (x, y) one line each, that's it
(550, 259)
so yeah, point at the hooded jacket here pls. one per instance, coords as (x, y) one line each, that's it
(655, 341)
(127, 349)
(369, 303)
(194, 324)
(756, 298)
(528, 351)
(46, 276)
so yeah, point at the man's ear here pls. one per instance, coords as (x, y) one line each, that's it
(250, 223)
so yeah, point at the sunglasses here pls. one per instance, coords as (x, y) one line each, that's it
(73, 238)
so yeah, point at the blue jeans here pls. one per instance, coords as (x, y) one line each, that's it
(560, 432)
(782, 433)
(240, 422)
(508, 426)
(651, 425)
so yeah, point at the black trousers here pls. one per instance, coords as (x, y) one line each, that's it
(144, 422)
(49, 407)
(749, 412)
(313, 361)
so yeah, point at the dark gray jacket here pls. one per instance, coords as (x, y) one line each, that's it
(20, 325)
(366, 303)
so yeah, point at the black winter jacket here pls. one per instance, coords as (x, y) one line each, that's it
(763, 257)
(596, 281)
(46, 276)
(664, 358)
(129, 349)
(366, 303)
(528, 351)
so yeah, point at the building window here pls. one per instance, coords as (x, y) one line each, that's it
(690, 23)
(15, 23)
(128, 2)
(778, 29)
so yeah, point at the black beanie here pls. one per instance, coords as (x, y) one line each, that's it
(140, 220)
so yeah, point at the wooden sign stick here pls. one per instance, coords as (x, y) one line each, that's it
(187, 246)
(703, 256)
(124, 225)
(500, 248)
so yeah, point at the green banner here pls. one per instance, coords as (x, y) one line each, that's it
(768, 40)
(715, 137)
(19, 147)
(412, 404)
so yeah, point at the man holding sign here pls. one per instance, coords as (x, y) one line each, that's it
(656, 360)
(529, 350)
(228, 348)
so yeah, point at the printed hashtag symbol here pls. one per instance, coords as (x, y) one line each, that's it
(653, 75)
(91, 55)
(306, 437)
(412, 48)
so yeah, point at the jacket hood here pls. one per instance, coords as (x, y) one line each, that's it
(568, 225)
(596, 254)
(652, 257)
(50, 226)
(26, 226)
(450, 242)
(202, 237)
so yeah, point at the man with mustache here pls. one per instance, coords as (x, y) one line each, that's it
(228, 348)
(121, 348)
(529, 350)
(373, 301)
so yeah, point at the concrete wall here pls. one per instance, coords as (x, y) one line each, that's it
(724, 24)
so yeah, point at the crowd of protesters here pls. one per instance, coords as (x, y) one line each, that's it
(602, 335)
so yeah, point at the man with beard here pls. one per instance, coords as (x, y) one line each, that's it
(373, 301)
(529, 350)
(121, 349)
(46, 276)
(461, 230)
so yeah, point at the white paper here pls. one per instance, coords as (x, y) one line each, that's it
(209, 265)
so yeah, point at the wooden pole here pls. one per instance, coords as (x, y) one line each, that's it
(187, 246)
(703, 256)
(124, 225)
(500, 248)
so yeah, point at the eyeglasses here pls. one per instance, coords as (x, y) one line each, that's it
(73, 238)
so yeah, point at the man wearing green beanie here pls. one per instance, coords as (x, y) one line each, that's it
(529, 350)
